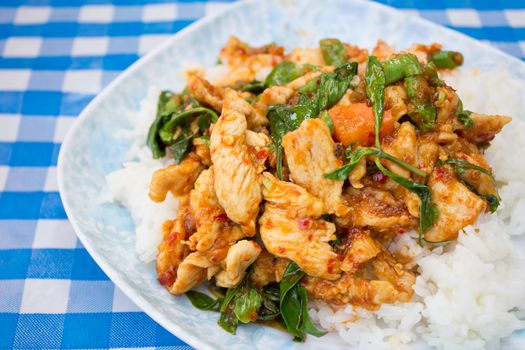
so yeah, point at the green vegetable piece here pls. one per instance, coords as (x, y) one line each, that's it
(292, 275)
(423, 112)
(202, 301)
(247, 304)
(334, 52)
(464, 116)
(205, 139)
(375, 91)
(167, 104)
(229, 322)
(283, 73)
(447, 59)
(307, 325)
(400, 67)
(431, 73)
(284, 118)
(180, 147)
(254, 86)
(460, 166)
(325, 117)
(270, 303)
(428, 211)
(166, 133)
(343, 172)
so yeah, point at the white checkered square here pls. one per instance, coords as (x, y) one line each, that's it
(82, 81)
(86, 46)
(121, 303)
(214, 7)
(22, 46)
(9, 124)
(516, 18)
(32, 14)
(159, 12)
(96, 14)
(522, 47)
(45, 296)
(149, 42)
(62, 126)
(464, 18)
(51, 184)
(56, 234)
(4, 170)
(14, 79)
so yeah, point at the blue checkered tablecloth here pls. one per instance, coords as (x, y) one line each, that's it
(55, 55)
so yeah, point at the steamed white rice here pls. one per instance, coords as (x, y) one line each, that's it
(468, 295)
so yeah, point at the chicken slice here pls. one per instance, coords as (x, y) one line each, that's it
(481, 182)
(205, 92)
(290, 228)
(268, 269)
(209, 215)
(176, 178)
(272, 96)
(172, 249)
(307, 56)
(310, 154)
(376, 209)
(240, 256)
(361, 248)
(485, 127)
(458, 207)
(386, 268)
(236, 181)
(402, 144)
(192, 271)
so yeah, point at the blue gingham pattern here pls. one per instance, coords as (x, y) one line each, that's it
(55, 55)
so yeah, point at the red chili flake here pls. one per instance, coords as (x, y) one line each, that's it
(281, 250)
(168, 277)
(379, 177)
(222, 218)
(172, 238)
(303, 224)
(330, 265)
(262, 154)
(485, 137)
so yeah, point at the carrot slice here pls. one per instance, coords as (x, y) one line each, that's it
(355, 123)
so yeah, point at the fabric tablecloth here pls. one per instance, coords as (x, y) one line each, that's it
(55, 56)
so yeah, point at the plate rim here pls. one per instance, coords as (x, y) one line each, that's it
(113, 274)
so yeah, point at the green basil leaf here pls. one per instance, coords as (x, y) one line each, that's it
(428, 211)
(291, 312)
(333, 86)
(325, 117)
(228, 321)
(343, 172)
(180, 147)
(255, 87)
(247, 304)
(375, 91)
(283, 73)
(168, 129)
(307, 325)
(202, 301)
(461, 165)
(464, 116)
(167, 103)
(334, 52)
(292, 275)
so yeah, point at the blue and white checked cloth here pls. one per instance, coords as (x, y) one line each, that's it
(55, 55)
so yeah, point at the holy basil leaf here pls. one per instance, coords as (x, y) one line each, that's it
(325, 117)
(283, 73)
(464, 116)
(375, 91)
(181, 146)
(461, 165)
(247, 304)
(168, 103)
(202, 301)
(292, 275)
(343, 172)
(333, 86)
(334, 52)
(228, 321)
(254, 86)
(166, 133)
(428, 211)
(307, 325)
(291, 313)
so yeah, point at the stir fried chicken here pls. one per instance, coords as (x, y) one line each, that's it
(305, 167)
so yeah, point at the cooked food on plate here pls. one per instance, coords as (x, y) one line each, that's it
(322, 187)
